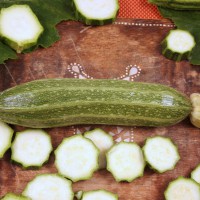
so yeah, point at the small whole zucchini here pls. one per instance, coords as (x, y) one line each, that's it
(63, 102)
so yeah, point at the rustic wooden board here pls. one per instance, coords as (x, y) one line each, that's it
(130, 50)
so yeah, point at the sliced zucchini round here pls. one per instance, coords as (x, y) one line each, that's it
(161, 153)
(178, 45)
(6, 133)
(31, 148)
(99, 194)
(103, 141)
(78, 195)
(12, 196)
(195, 174)
(93, 12)
(19, 27)
(195, 114)
(183, 189)
(125, 161)
(49, 186)
(77, 158)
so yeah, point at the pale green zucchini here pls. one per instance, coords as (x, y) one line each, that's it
(178, 45)
(161, 153)
(125, 161)
(12, 196)
(96, 12)
(31, 148)
(182, 189)
(63, 102)
(99, 194)
(195, 174)
(49, 187)
(6, 134)
(19, 27)
(103, 141)
(76, 158)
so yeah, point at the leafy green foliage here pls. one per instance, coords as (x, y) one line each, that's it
(49, 13)
(6, 53)
(186, 20)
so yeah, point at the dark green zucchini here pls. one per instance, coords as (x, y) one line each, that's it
(62, 102)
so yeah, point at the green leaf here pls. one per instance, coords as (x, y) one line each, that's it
(6, 53)
(49, 13)
(186, 20)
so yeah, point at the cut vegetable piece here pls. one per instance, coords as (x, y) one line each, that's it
(78, 195)
(49, 186)
(99, 194)
(77, 158)
(195, 174)
(195, 115)
(6, 133)
(178, 45)
(19, 27)
(125, 161)
(183, 189)
(31, 148)
(96, 12)
(161, 153)
(103, 141)
(12, 196)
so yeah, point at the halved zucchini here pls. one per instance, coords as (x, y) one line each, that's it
(6, 133)
(183, 189)
(49, 187)
(195, 174)
(99, 195)
(31, 148)
(103, 141)
(161, 153)
(178, 45)
(94, 12)
(125, 161)
(19, 27)
(77, 158)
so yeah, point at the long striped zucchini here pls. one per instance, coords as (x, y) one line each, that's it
(62, 102)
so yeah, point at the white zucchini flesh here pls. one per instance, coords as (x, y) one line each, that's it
(49, 186)
(6, 133)
(31, 147)
(183, 189)
(95, 9)
(77, 158)
(103, 141)
(12, 196)
(180, 41)
(125, 161)
(161, 153)
(195, 174)
(99, 195)
(20, 27)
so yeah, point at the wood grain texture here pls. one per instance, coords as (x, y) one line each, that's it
(106, 52)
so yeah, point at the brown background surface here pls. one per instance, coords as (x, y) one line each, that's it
(109, 52)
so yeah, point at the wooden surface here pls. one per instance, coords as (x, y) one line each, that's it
(128, 49)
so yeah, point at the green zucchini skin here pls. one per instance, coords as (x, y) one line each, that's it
(96, 21)
(49, 103)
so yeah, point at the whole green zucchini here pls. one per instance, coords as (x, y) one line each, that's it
(62, 102)
(178, 4)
